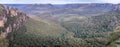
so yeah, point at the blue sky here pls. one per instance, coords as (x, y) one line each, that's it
(57, 1)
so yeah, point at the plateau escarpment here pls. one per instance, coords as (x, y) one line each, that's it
(10, 19)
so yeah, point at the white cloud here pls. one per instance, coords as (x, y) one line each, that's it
(57, 1)
(36, 1)
(111, 1)
(40, 1)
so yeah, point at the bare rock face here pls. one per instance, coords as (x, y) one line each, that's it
(10, 19)
(117, 7)
(1, 23)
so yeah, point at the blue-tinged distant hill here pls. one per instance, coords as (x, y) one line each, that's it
(62, 11)
(18, 6)
(80, 9)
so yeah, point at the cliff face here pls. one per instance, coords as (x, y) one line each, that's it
(117, 7)
(10, 19)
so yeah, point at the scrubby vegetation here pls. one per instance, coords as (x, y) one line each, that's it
(78, 33)
(35, 33)
(1, 6)
(4, 42)
(90, 27)
(68, 31)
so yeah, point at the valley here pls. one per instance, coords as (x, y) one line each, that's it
(60, 25)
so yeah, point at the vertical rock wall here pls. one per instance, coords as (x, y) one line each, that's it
(10, 20)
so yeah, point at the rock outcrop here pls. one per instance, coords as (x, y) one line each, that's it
(117, 7)
(10, 19)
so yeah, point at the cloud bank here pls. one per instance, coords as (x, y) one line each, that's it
(56, 1)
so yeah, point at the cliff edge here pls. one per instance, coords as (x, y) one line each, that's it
(10, 19)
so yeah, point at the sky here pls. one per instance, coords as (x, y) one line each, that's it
(56, 1)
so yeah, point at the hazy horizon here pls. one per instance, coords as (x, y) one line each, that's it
(57, 1)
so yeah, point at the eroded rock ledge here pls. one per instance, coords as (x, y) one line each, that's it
(10, 19)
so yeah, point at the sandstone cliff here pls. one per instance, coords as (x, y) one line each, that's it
(117, 7)
(10, 19)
